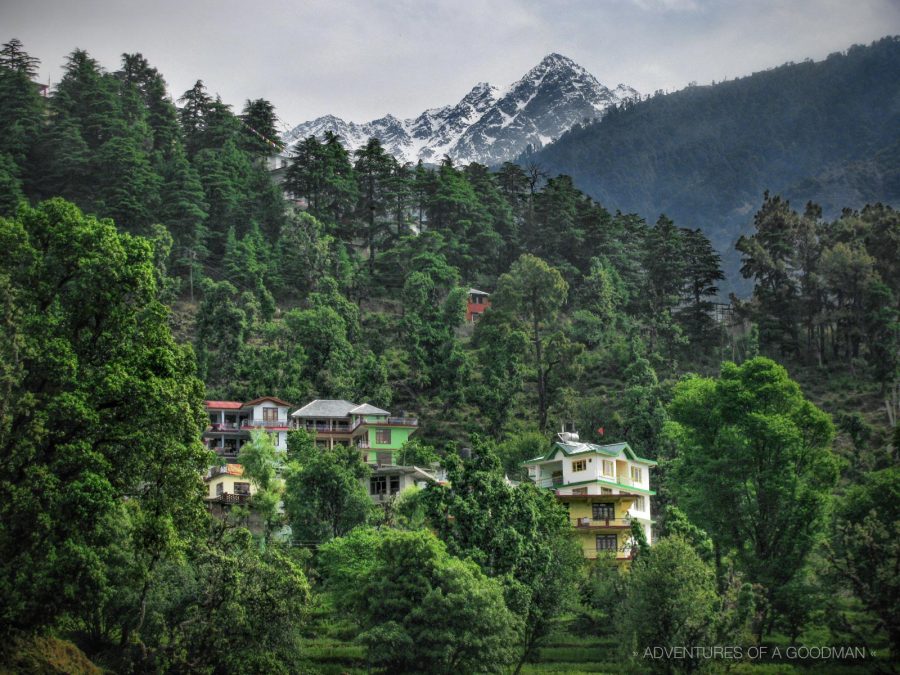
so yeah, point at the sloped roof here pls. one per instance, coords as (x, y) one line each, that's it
(366, 409)
(224, 405)
(477, 292)
(325, 408)
(609, 450)
(257, 401)
(404, 470)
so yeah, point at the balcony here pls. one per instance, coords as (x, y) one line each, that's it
(223, 426)
(602, 523)
(327, 427)
(387, 421)
(402, 421)
(231, 498)
(266, 423)
(228, 452)
(555, 481)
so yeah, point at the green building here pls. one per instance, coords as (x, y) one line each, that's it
(371, 429)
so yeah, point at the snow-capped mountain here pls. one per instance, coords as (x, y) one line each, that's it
(488, 125)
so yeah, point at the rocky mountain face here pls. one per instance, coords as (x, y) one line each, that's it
(488, 125)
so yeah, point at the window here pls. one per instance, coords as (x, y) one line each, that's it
(638, 503)
(395, 484)
(580, 465)
(608, 468)
(579, 491)
(603, 511)
(242, 488)
(605, 491)
(383, 436)
(607, 542)
(636, 474)
(270, 414)
(378, 485)
(220, 488)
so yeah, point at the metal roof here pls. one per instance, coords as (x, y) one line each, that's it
(325, 408)
(610, 450)
(366, 409)
(477, 292)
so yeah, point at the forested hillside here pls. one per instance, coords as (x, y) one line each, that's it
(826, 132)
(151, 262)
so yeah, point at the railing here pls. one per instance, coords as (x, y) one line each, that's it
(403, 421)
(329, 428)
(266, 423)
(230, 498)
(555, 481)
(364, 444)
(223, 426)
(392, 421)
(602, 522)
(226, 451)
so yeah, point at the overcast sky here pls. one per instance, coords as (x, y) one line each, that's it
(360, 60)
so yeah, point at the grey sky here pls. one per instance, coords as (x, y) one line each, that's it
(360, 60)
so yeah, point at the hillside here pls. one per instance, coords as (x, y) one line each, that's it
(823, 131)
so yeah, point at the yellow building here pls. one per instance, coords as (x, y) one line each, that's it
(226, 485)
(606, 488)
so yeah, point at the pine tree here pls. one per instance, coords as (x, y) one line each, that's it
(702, 269)
(259, 135)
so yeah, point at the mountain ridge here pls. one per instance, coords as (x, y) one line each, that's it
(488, 125)
(823, 131)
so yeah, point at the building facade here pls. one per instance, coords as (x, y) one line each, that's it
(605, 488)
(476, 304)
(376, 434)
(230, 424)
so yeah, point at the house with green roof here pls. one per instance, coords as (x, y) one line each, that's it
(604, 487)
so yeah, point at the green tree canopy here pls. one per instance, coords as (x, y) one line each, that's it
(324, 496)
(754, 467)
(421, 609)
(99, 405)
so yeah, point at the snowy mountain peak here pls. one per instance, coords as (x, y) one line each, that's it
(488, 125)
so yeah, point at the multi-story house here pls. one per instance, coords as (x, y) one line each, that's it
(226, 485)
(605, 489)
(230, 424)
(337, 422)
(388, 481)
(476, 303)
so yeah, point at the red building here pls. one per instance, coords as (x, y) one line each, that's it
(477, 303)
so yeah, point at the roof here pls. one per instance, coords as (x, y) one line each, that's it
(366, 409)
(404, 470)
(227, 470)
(259, 400)
(475, 291)
(224, 405)
(325, 408)
(610, 450)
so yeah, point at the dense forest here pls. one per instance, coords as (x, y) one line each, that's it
(825, 132)
(150, 261)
